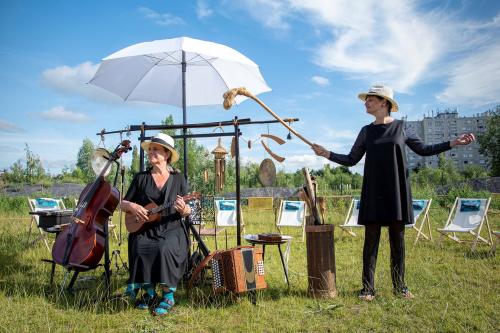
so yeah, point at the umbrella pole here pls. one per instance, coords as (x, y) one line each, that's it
(184, 120)
(238, 185)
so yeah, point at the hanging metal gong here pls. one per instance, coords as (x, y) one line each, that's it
(99, 159)
(267, 172)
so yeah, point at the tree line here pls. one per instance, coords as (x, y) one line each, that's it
(201, 168)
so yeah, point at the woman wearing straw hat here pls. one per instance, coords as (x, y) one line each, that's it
(385, 195)
(158, 254)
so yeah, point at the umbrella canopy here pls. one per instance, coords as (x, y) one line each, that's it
(153, 72)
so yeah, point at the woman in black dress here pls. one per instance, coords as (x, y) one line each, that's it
(158, 253)
(386, 198)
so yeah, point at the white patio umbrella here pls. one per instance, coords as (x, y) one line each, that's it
(179, 71)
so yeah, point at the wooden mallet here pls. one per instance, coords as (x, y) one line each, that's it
(229, 100)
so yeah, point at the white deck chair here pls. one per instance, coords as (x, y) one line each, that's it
(225, 215)
(421, 209)
(41, 205)
(468, 216)
(351, 220)
(292, 214)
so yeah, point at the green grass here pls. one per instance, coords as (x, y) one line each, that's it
(455, 291)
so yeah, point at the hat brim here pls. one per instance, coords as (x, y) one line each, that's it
(395, 106)
(175, 155)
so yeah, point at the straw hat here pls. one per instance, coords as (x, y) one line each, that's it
(381, 91)
(163, 140)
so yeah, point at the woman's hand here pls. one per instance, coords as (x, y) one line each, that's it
(320, 150)
(181, 207)
(463, 140)
(140, 213)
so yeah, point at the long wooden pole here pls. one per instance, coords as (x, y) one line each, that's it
(230, 95)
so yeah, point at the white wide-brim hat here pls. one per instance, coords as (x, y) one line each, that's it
(381, 91)
(163, 140)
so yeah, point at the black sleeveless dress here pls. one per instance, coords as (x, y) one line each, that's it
(158, 254)
(386, 195)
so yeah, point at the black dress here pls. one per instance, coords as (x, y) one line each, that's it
(386, 195)
(158, 254)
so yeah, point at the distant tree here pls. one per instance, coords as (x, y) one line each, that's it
(31, 171)
(83, 160)
(489, 142)
(34, 171)
(474, 171)
(198, 157)
(135, 165)
(16, 173)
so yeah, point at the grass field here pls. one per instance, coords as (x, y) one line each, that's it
(455, 291)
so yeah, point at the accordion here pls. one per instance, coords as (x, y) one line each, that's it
(238, 270)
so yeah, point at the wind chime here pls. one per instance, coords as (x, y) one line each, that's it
(220, 166)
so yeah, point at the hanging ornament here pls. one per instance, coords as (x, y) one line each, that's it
(233, 147)
(289, 136)
(220, 165)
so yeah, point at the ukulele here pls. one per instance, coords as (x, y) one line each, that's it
(134, 225)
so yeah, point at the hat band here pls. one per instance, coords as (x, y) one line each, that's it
(162, 142)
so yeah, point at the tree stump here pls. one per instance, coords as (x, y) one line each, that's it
(321, 261)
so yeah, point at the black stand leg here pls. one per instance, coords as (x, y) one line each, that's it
(263, 252)
(72, 282)
(285, 268)
(252, 294)
(107, 271)
(52, 272)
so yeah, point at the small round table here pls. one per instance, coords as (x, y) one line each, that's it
(254, 240)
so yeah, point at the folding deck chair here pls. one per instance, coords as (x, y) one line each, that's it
(468, 216)
(351, 220)
(225, 215)
(291, 214)
(421, 208)
(42, 205)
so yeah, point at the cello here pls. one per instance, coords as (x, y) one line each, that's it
(81, 245)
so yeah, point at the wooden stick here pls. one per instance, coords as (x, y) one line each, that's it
(276, 157)
(276, 139)
(230, 95)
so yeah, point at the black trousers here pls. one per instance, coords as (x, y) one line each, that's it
(370, 251)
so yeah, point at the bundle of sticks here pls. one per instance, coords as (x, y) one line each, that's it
(310, 197)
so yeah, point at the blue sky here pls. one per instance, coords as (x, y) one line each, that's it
(315, 55)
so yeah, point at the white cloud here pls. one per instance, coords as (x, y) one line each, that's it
(333, 134)
(8, 127)
(271, 13)
(474, 80)
(163, 19)
(73, 80)
(202, 9)
(59, 113)
(394, 42)
(320, 80)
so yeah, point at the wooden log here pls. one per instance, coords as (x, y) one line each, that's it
(321, 268)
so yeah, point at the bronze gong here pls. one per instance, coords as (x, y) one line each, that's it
(267, 172)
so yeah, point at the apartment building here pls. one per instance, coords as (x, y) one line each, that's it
(447, 125)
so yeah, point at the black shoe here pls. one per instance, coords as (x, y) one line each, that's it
(366, 295)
